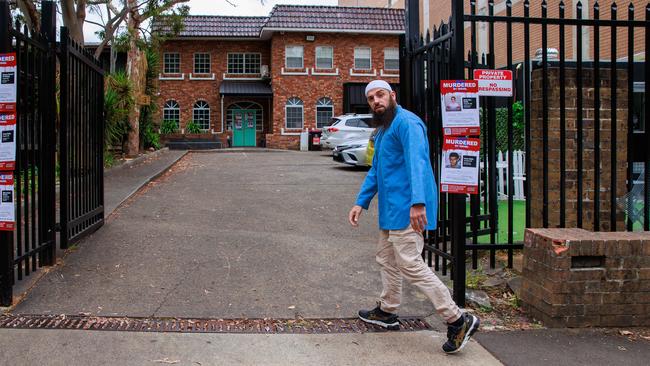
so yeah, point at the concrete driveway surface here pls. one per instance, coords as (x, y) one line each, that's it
(228, 235)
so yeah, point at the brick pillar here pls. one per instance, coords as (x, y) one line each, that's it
(535, 198)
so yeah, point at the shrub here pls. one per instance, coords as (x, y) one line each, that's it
(518, 128)
(168, 126)
(118, 100)
(192, 127)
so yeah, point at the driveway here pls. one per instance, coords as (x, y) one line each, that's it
(228, 235)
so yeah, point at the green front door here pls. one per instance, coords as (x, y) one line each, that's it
(244, 127)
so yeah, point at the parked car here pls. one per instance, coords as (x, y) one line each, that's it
(356, 152)
(346, 128)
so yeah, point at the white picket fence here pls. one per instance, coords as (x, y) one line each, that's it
(519, 174)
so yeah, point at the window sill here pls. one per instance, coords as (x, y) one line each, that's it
(390, 74)
(301, 72)
(294, 132)
(171, 76)
(202, 76)
(367, 73)
(325, 73)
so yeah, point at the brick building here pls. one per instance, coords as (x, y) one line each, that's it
(263, 80)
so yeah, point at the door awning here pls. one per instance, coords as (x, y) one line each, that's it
(247, 88)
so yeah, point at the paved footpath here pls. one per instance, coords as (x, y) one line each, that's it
(227, 235)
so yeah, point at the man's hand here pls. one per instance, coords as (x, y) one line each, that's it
(418, 217)
(354, 215)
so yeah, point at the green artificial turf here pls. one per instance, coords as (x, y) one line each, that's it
(518, 222)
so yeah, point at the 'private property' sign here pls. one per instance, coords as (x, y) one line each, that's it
(494, 83)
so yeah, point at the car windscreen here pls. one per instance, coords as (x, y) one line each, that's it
(365, 122)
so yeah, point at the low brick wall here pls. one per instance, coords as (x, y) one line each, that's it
(578, 278)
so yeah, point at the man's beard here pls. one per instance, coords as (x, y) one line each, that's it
(384, 119)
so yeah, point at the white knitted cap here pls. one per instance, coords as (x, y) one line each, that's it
(378, 84)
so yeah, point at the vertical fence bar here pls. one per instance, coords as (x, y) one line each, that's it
(63, 139)
(630, 105)
(579, 113)
(457, 70)
(562, 120)
(18, 181)
(6, 237)
(475, 198)
(613, 120)
(527, 83)
(492, 143)
(511, 172)
(646, 130)
(596, 79)
(544, 114)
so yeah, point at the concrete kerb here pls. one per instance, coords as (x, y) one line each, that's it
(137, 160)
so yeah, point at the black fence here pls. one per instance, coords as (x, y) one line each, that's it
(573, 113)
(32, 244)
(82, 136)
(80, 112)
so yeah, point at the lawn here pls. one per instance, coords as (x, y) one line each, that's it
(518, 222)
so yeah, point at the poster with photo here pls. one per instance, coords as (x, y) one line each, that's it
(8, 82)
(238, 121)
(251, 120)
(460, 165)
(460, 107)
(7, 205)
(8, 141)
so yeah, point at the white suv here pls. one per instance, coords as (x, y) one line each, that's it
(346, 128)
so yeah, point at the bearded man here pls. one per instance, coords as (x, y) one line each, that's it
(402, 177)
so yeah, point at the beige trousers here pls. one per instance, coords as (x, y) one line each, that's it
(399, 255)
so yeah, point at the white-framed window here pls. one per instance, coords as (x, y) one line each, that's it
(294, 57)
(172, 112)
(294, 113)
(259, 114)
(172, 63)
(324, 112)
(391, 59)
(201, 114)
(201, 63)
(244, 63)
(362, 59)
(324, 57)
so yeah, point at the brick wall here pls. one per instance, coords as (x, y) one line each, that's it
(535, 198)
(310, 88)
(577, 278)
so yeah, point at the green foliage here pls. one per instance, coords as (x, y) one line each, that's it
(518, 128)
(149, 137)
(109, 160)
(118, 100)
(168, 126)
(474, 279)
(192, 127)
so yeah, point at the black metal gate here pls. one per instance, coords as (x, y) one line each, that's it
(33, 243)
(82, 146)
(446, 53)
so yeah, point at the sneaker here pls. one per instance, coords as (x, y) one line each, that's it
(458, 336)
(379, 317)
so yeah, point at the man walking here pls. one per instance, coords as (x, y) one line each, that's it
(402, 177)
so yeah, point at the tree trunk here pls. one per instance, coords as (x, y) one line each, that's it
(137, 71)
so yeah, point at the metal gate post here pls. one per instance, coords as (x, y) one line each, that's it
(6, 237)
(457, 71)
(406, 43)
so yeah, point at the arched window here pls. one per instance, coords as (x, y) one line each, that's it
(259, 114)
(172, 112)
(201, 114)
(324, 112)
(294, 113)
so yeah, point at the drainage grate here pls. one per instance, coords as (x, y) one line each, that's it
(183, 325)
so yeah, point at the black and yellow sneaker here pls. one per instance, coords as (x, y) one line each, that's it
(379, 317)
(458, 335)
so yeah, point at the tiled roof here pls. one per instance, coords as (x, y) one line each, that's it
(288, 17)
(218, 26)
(336, 18)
